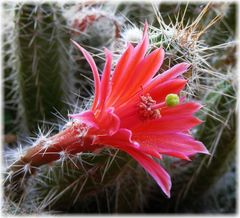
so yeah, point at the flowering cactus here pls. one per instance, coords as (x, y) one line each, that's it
(141, 115)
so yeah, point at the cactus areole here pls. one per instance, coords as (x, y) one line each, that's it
(132, 111)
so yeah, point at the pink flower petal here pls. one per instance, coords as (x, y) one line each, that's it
(143, 73)
(121, 67)
(109, 122)
(174, 144)
(86, 117)
(155, 170)
(128, 70)
(121, 138)
(182, 123)
(160, 91)
(105, 82)
(172, 73)
(181, 109)
(95, 73)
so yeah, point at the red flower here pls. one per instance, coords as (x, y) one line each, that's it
(132, 111)
(129, 111)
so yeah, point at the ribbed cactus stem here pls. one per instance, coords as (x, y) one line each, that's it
(42, 61)
(219, 137)
(108, 176)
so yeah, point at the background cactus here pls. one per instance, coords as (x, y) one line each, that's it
(221, 145)
(109, 178)
(93, 26)
(43, 62)
(47, 73)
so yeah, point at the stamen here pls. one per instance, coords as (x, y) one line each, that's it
(146, 108)
(149, 109)
(157, 106)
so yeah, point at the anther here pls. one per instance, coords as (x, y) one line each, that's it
(146, 108)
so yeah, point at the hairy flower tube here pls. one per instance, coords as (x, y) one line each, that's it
(132, 111)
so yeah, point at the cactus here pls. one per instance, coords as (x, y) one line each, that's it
(94, 27)
(88, 177)
(137, 13)
(43, 63)
(75, 182)
(9, 69)
(188, 40)
(110, 182)
(222, 144)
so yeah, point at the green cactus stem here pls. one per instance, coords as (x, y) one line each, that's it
(219, 136)
(43, 62)
(104, 182)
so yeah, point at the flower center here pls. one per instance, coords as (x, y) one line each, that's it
(147, 109)
(150, 109)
